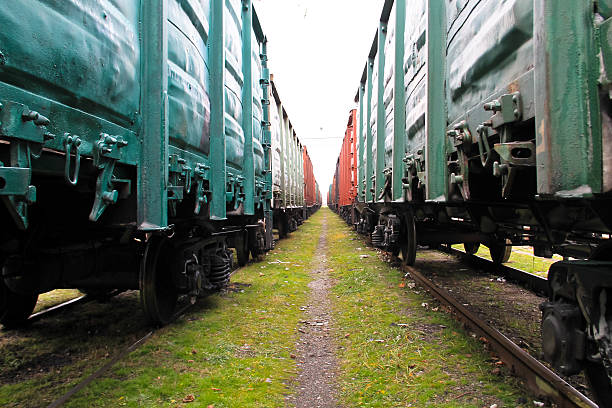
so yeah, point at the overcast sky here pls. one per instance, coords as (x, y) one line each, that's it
(317, 52)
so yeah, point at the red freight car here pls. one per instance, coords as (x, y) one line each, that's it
(332, 197)
(346, 173)
(310, 185)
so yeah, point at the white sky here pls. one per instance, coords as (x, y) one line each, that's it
(317, 51)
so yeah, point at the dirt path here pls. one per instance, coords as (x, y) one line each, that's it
(316, 359)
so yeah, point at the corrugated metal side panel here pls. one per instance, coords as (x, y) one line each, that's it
(188, 75)
(388, 90)
(82, 53)
(363, 122)
(490, 44)
(276, 129)
(415, 75)
(234, 80)
(257, 109)
(373, 110)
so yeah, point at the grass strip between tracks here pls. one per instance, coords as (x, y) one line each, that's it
(232, 350)
(397, 347)
(521, 258)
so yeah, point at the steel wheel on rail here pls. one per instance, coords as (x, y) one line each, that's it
(408, 240)
(500, 251)
(599, 372)
(158, 295)
(15, 308)
(472, 247)
(283, 227)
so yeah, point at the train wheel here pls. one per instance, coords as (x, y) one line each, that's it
(472, 247)
(255, 247)
(408, 240)
(283, 227)
(158, 295)
(241, 241)
(598, 373)
(599, 382)
(500, 251)
(15, 308)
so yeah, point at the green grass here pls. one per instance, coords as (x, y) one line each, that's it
(234, 351)
(42, 361)
(427, 360)
(521, 259)
(55, 297)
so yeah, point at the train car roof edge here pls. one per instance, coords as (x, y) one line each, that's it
(384, 18)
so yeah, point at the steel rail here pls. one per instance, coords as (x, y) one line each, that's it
(60, 307)
(528, 280)
(538, 378)
(118, 357)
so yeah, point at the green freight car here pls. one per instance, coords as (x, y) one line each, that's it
(135, 148)
(489, 122)
(289, 206)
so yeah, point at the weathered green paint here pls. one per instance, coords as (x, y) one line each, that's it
(380, 111)
(247, 110)
(435, 154)
(283, 185)
(153, 168)
(217, 110)
(399, 96)
(267, 142)
(157, 105)
(568, 126)
(369, 158)
(360, 165)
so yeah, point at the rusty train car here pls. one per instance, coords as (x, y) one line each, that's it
(135, 149)
(486, 122)
(344, 185)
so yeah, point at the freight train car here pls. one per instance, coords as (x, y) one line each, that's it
(311, 188)
(134, 148)
(293, 175)
(346, 182)
(489, 122)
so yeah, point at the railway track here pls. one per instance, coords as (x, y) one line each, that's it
(60, 308)
(114, 360)
(528, 280)
(539, 379)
